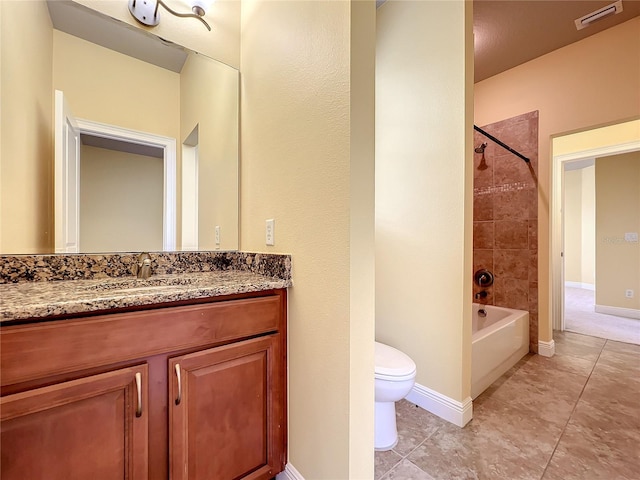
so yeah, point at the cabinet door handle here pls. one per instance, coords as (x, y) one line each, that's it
(139, 389)
(179, 397)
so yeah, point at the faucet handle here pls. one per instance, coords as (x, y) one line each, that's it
(483, 278)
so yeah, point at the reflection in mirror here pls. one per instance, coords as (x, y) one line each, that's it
(123, 191)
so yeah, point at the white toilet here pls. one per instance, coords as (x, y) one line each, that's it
(395, 374)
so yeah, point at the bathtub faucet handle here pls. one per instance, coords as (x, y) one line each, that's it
(483, 278)
(481, 294)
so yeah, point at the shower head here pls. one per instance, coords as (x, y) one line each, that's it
(481, 148)
(483, 162)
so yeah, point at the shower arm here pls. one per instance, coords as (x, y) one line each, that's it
(503, 145)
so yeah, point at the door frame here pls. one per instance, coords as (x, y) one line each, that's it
(168, 145)
(66, 177)
(557, 218)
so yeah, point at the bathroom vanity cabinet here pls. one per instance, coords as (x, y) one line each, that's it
(192, 390)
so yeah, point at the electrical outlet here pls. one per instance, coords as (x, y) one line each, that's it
(217, 234)
(270, 231)
(628, 293)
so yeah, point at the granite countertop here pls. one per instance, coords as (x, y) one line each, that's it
(21, 300)
(45, 299)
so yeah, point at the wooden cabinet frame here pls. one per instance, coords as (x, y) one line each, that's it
(42, 363)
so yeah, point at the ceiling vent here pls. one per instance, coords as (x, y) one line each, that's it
(607, 11)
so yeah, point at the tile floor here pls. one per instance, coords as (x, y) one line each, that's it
(573, 416)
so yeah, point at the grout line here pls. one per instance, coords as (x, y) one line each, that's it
(386, 474)
(406, 457)
(573, 410)
(402, 457)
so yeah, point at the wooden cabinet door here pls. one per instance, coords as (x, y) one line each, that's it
(91, 428)
(226, 418)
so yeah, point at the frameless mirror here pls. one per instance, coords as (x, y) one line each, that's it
(146, 149)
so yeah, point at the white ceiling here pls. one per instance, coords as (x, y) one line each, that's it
(578, 164)
(85, 23)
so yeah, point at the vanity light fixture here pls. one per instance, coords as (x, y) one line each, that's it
(146, 11)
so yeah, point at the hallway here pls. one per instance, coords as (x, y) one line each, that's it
(573, 416)
(580, 317)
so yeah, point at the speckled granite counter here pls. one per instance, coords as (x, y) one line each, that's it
(41, 286)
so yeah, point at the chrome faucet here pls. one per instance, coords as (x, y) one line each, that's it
(142, 269)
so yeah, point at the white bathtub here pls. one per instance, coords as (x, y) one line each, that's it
(499, 340)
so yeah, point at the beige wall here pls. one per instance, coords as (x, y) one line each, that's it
(120, 201)
(306, 143)
(108, 87)
(623, 133)
(424, 188)
(566, 86)
(617, 212)
(588, 260)
(26, 151)
(573, 226)
(221, 43)
(362, 240)
(579, 226)
(209, 99)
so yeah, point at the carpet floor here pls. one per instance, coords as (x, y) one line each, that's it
(580, 317)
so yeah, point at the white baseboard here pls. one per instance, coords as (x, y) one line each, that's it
(458, 413)
(546, 349)
(618, 311)
(585, 286)
(289, 473)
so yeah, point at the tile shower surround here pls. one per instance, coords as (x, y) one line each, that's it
(505, 217)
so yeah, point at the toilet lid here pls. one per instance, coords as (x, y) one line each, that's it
(391, 362)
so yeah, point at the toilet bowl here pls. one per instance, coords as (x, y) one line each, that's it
(395, 375)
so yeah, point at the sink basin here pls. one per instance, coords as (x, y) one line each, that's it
(141, 284)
